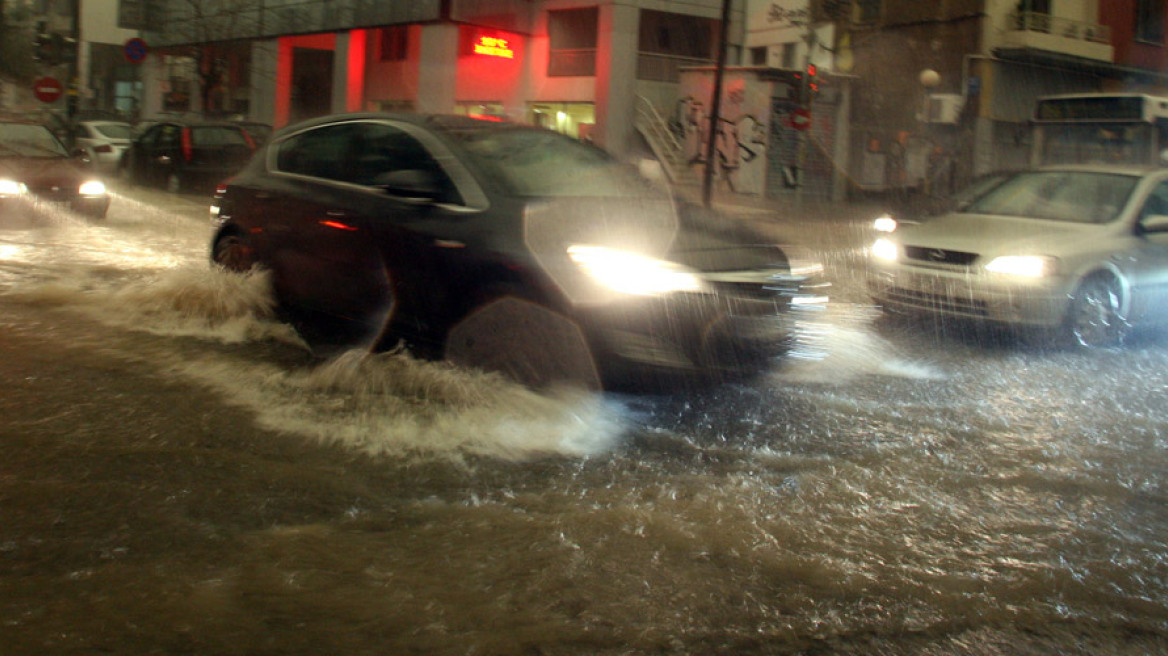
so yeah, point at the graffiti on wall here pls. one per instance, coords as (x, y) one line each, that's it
(739, 138)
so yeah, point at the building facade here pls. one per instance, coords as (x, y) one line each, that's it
(570, 65)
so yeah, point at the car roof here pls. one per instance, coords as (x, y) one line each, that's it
(441, 122)
(1124, 169)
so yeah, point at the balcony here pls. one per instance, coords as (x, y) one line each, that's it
(1039, 31)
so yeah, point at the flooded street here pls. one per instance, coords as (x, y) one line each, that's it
(182, 476)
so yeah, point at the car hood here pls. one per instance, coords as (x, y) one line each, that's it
(37, 172)
(652, 227)
(986, 234)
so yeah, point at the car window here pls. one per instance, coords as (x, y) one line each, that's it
(210, 136)
(382, 149)
(1157, 202)
(541, 163)
(29, 140)
(111, 131)
(169, 136)
(1074, 196)
(320, 153)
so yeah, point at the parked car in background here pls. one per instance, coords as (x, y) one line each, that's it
(260, 132)
(102, 142)
(35, 168)
(1081, 251)
(186, 156)
(508, 248)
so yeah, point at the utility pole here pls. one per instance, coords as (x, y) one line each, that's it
(715, 109)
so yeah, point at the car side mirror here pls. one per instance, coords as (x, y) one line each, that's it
(414, 185)
(1154, 223)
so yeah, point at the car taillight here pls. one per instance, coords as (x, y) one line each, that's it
(104, 148)
(186, 144)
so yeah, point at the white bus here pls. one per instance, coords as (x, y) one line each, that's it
(1120, 128)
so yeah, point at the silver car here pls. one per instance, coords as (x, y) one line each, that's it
(103, 143)
(1082, 251)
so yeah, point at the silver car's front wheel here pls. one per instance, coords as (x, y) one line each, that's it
(1095, 317)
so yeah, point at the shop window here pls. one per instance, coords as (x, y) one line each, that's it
(1150, 21)
(480, 109)
(572, 119)
(394, 42)
(572, 37)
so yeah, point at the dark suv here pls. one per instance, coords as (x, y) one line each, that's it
(187, 156)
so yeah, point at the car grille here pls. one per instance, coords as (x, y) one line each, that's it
(938, 302)
(939, 256)
(53, 193)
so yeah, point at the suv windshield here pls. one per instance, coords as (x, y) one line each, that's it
(1074, 196)
(544, 164)
(28, 140)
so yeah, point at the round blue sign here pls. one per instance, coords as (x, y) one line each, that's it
(135, 50)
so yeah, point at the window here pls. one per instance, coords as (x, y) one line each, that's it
(393, 43)
(669, 41)
(789, 52)
(1150, 21)
(865, 12)
(319, 153)
(758, 56)
(572, 35)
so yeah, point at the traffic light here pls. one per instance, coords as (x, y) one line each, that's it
(42, 44)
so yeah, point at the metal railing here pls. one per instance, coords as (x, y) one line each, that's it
(664, 143)
(1034, 21)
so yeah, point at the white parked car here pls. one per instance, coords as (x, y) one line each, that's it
(1082, 251)
(103, 143)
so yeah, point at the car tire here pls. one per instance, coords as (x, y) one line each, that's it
(174, 183)
(1095, 317)
(525, 341)
(234, 252)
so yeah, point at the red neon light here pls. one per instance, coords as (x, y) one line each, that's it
(493, 46)
(338, 225)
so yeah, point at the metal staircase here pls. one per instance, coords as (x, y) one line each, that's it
(666, 147)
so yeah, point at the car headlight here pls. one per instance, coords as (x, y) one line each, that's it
(1023, 266)
(92, 188)
(885, 249)
(884, 223)
(630, 273)
(11, 188)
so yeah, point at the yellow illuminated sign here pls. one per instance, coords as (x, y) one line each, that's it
(494, 47)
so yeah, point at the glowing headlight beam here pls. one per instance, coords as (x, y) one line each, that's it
(1023, 266)
(630, 273)
(92, 188)
(885, 249)
(884, 223)
(11, 188)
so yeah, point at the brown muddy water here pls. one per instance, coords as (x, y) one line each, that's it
(180, 476)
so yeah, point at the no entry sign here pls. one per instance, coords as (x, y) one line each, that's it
(801, 119)
(47, 89)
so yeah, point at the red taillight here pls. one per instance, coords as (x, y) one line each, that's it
(104, 148)
(186, 144)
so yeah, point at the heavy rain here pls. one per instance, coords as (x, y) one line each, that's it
(183, 475)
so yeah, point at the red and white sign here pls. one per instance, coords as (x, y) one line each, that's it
(47, 89)
(800, 119)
